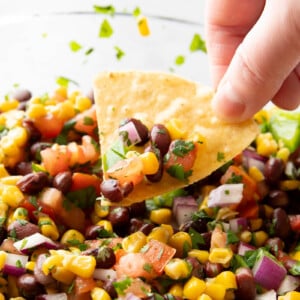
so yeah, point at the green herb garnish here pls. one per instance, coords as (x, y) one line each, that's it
(119, 52)
(179, 60)
(197, 44)
(108, 10)
(106, 30)
(74, 46)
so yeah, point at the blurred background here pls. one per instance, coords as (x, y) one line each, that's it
(44, 43)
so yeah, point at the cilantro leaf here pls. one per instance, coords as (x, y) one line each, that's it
(122, 285)
(179, 60)
(119, 52)
(74, 46)
(197, 44)
(136, 12)
(64, 81)
(105, 29)
(89, 51)
(109, 9)
(178, 172)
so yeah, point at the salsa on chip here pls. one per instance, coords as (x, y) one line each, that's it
(158, 133)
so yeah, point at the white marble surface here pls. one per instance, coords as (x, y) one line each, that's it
(35, 35)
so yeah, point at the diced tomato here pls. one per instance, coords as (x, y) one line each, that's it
(55, 159)
(49, 125)
(83, 180)
(295, 222)
(84, 285)
(127, 170)
(76, 154)
(138, 288)
(158, 254)
(218, 238)
(86, 121)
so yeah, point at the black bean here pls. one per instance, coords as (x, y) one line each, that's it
(119, 216)
(281, 223)
(33, 183)
(142, 130)
(295, 157)
(90, 95)
(20, 229)
(274, 168)
(36, 148)
(137, 209)
(23, 168)
(110, 289)
(38, 272)
(34, 134)
(63, 181)
(135, 224)
(246, 288)
(112, 190)
(278, 198)
(105, 257)
(275, 245)
(160, 138)
(212, 269)
(22, 95)
(146, 228)
(93, 232)
(198, 269)
(3, 233)
(28, 286)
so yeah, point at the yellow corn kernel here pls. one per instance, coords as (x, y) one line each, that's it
(150, 163)
(62, 91)
(259, 238)
(215, 290)
(175, 129)
(13, 118)
(63, 275)
(262, 116)
(20, 213)
(226, 278)
(220, 255)
(2, 157)
(161, 215)
(246, 236)
(160, 234)
(283, 153)
(19, 135)
(65, 110)
(7, 104)
(256, 174)
(73, 95)
(176, 290)
(106, 225)
(182, 242)
(52, 262)
(3, 171)
(9, 146)
(48, 227)
(82, 103)
(201, 255)
(81, 265)
(168, 227)
(289, 184)
(3, 256)
(293, 295)
(30, 266)
(11, 179)
(143, 26)
(98, 293)
(193, 288)
(265, 144)
(11, 195)
(204, 297)
(3, 208)
(177, 268)
(36, 253)
(296, 255)
(134, 242)
(255, 224)
(71, 236)
(101, 208)
(10, 160)
(35, 111)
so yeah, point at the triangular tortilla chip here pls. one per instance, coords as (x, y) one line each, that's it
(155, 97)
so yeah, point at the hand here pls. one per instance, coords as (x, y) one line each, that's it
(254, 55)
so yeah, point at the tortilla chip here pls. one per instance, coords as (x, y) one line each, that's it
(154, 98)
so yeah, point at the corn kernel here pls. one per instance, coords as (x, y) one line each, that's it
(161, 215)
(63, 275)
(293, 295)
(204, 297)
(289, 184)
(81, 265)
(262, 116)
(143, 26)
(160, 234)
(3, 171)
(256, 174)
(255, 224)
(296, 255)
(174, 127)
(176, 290)
(215, 290)
(101, 208)
(11, 195)
(48, 228)
(134, 242)
(82, 103)
(52, 262)
(283, 153)
(13, 118)
(226, 278)
(3, 256)
(246, 236)
(3, 208)
(193, 288)
(20, 213)
(11, 179)
(9, 146)
(106, 225)
(7, 104)
(201, 255)
(35, 111)
(220, 255)
(177, 268)
(19, 135)
(98, 293)
(259, 238)
(265, 144)
(65, 110)
(71, 236)
(182, 242)
(168, 227)
(30, 266)
(150, 163)
(62, 91)
(73, 95)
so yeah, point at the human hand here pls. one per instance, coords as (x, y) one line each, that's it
(254, 55)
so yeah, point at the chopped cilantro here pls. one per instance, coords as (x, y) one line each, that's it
(235, 178)
(136, 12)
(119, 52)
(64, 81)
(88, 121)
(232, 238)
(19, 264)
(33, 201)
(181, 148)
(2, 221)
(24, 243)
(83, 198)
(179, 60)
(178, 172)
(109, 9)
(220, 156)
(122, 285)
(197, 44)
(105, 29)
(89, 51)
(197, 238)
(74, 46)
(44, 222)
(147, 267)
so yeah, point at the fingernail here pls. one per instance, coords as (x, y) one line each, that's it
(227, 104)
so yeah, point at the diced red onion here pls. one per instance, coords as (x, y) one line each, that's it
(252, 159)
(244, 247)
(105, 274)
(238, 224)
(269, 295)
(226, 194)
(289, 283)
(131, 296)
(57, 296)
(38, 272)
(268, 273)
(183, 208)
(132, 135)
(15, 264)
(33, 241)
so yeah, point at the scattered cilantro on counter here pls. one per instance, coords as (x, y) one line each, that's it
(105, 29)
(109, 9)
(197, 44)
(179, 60)
(74, 46)
(119, 52)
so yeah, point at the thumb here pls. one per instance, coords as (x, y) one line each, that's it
(262, 62)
